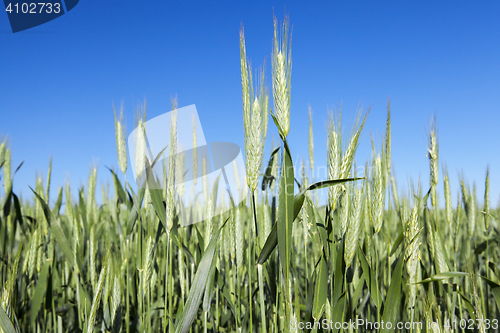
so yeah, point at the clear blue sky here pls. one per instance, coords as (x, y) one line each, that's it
(59, 80)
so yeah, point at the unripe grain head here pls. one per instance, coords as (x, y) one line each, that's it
(120, 140)
(282, 71)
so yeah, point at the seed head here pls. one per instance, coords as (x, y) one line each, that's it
(171, 167)
(7, 175)
(282, 71)
(254, 119)
(334, 162)
(378, 194)
(447, 196)
(120, 140)
(354, 226)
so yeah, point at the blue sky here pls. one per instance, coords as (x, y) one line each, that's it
(59, 80)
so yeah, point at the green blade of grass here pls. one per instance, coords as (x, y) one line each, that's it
(19, 216)
(398, 242)
(299, 198)
(443, 276)
(58, 204)
(495, 289)
(5, 323)
(134, 213)
(468, 305)
(97, 300)
(320, 290)
(207, 298)
(122, 197)
(268, 178)
(269, 245)
(338, 283)
(371, 281)
(40, 288)
(339, 311)
(198, 286)
(393, 299)
(57, 231)
(322, 231)
(298, 201)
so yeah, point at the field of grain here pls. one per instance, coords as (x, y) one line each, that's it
(279, 262)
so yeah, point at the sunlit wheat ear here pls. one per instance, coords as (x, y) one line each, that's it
(231, 237)
(412, 250)
(311, 141)
(2, 149)
(412, 245)
(171, 167)
(412, 254)
(7, 180)
(115, 298)
(38, 206)
(254, 119)
(469, 203)
(395, 194)
(182, 276)
(120, 140)
(91, 192)
(367, 201)
(69, 202)
(29, 262)
(472, 211)
(97, 299)
(487, 200)
(447, 196)
(465, 194)
(348, 155)
(458, 215)
(108, 284)
(378, 195)
(195, 153)
(92, 254)
(334, 161)
(282, 73)
(5, 300)
(140, 149)
(265, 109)
(255, 151)
(147, 269)
(354, 226)
(432, 154)
(244, 82)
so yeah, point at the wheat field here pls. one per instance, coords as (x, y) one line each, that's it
(278, 262)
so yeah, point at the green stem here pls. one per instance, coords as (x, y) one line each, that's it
(262, 304)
